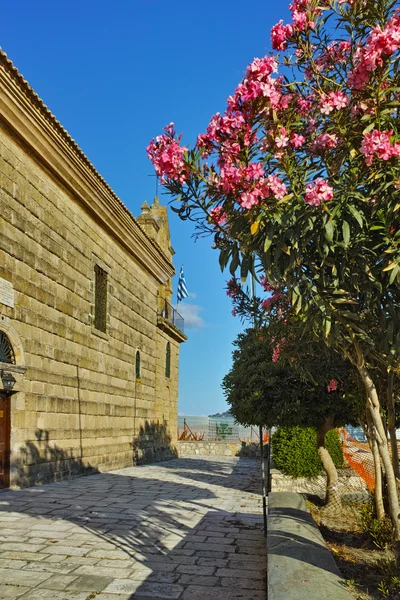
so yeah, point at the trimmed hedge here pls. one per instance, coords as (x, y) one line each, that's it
(294, 451)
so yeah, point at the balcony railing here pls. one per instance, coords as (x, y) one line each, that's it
(169, 313)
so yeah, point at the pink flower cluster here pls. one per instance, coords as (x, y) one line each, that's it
(332, 385)
(266, 187)
(266, 286)
(218, 215)
(276, 187)
(332, 101)
(297, 140)
(280, 34)
(303, 15)
(167, 156)
(233, 288)
(324, 141)
(258, 83)
(377, 144)
(269, 303)
(371, 55)
(318, 191)
(224, 129)
(278, 349)
(336, 52)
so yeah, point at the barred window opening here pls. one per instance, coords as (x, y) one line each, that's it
(138, 365)
(168, 361)
(100, 307)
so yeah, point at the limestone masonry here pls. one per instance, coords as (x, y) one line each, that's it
(85, 321)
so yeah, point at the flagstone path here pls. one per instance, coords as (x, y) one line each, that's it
(187, 529)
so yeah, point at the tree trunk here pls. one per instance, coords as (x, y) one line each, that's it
(370, 432)
(332, 498)
(374, 407)
(392, 427)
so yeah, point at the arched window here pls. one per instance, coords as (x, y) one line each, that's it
(168, 361)
(138, 365)
(6, 350)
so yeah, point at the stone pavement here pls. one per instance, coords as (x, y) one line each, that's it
(187, 529)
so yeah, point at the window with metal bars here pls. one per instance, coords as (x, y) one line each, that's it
(100, 302)
(137, 364)
(168, 360)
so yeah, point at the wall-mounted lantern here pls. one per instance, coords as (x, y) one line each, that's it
(8, 381)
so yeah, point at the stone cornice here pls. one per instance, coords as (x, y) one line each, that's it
(30, 120)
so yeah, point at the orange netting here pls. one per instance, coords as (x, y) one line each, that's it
(360, 459)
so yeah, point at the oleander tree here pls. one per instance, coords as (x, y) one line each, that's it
(299, 181)
(294, 347)
(319, 389)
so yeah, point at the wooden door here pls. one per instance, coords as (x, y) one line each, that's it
(5, 430)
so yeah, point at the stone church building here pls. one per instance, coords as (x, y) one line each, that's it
(89, 343)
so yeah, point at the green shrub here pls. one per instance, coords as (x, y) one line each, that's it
(380, 531)
(294, 451)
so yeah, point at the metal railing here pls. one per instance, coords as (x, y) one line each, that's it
(169, 313)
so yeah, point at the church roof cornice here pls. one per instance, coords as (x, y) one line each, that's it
(30, 119)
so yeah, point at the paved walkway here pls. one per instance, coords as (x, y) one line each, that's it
(187, 529)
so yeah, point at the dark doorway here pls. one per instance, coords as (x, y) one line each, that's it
(5, 431)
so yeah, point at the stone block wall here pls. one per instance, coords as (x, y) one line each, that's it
(79, 406)
(205, 448)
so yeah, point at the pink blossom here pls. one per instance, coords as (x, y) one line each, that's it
(282, 140)
(280, 34)
(278, 349)
(305, 105)
(233, 288)
(297, 140)
(371, 55)
(336, 52)
(255, 171)
(299, 20)
(269, 303)
(276, 186)
(250, 199)
(167, 156)
(218, 215)
(332, 386)
(261, 68)
(332, 101)
(318, 191)
(324, 141)
(267, 287)
(378, 144)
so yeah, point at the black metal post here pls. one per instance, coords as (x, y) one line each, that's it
(264, 499)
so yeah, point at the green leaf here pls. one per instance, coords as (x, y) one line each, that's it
(329, 229)
(267, 244)
(394, 274)
(369, 128)
(346, 233)
(391, 266)
(244, 268)
(356, 214)
(328, 324)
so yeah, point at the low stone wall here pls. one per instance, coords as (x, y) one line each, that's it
(206, 448)
(300, 566)
(349, 483)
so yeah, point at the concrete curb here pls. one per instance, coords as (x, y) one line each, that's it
(300, 566)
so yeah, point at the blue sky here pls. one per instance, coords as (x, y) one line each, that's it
(115, 74)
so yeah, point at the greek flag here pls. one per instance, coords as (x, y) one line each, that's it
(182, 289)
